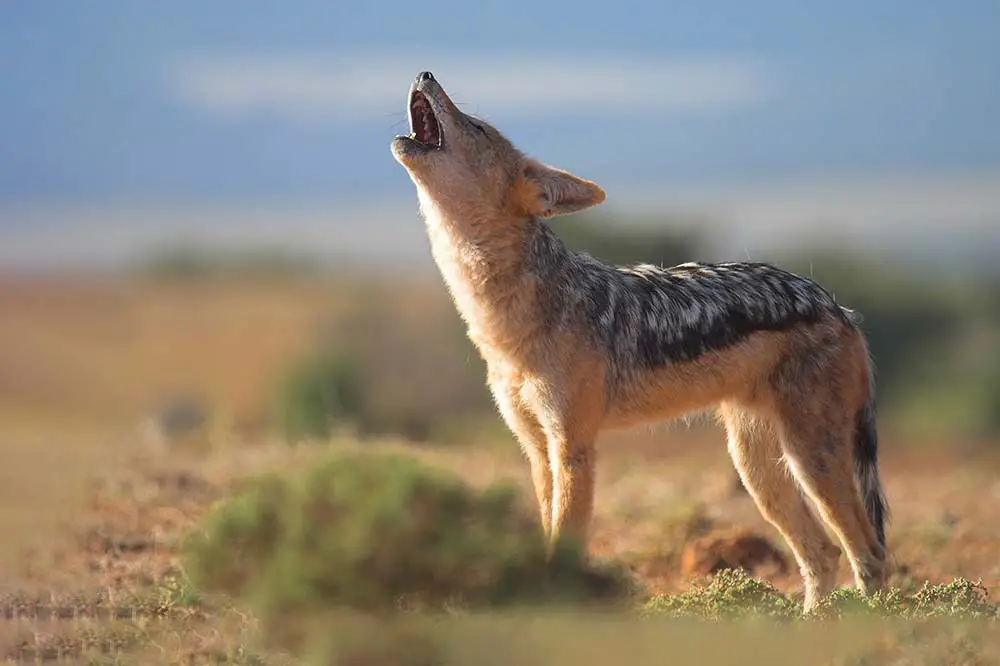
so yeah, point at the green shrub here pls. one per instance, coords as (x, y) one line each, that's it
(732, 593)
(385, 365)
(319, 391)
(372, 533)
(959, 599)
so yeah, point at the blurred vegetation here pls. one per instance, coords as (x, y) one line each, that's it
(182, 262)
(630, 242)
(386, 364)
(319, 392)
(390, 364)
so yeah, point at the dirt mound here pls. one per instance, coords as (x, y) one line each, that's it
(732, 549)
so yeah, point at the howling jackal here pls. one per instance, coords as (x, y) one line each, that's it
(575, 345)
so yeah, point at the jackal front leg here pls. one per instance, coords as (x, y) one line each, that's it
(572, 458)
(571, 410)
(572, 439)
(531, 437)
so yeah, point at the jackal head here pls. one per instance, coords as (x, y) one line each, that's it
(465, 165)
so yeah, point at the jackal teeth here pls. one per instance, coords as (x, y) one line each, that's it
(423, 122)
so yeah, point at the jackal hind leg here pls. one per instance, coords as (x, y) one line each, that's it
(757, 455)
(818, 388)
(819, 453)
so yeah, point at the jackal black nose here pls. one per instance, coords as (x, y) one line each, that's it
(424, 76)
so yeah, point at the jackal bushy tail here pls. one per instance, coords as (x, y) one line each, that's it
(866, 468)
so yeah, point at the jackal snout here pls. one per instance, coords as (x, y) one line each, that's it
(436, 124)
(447, 149)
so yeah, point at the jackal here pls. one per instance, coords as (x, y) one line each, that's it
(574, 345)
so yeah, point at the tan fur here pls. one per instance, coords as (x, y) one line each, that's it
(789, 414)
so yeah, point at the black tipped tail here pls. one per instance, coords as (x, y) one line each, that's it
(866, 470)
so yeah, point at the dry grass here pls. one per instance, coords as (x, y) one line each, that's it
(112, 585)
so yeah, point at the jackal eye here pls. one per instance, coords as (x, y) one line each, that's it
(480, 128)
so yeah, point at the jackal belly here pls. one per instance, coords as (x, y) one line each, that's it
(640, 393)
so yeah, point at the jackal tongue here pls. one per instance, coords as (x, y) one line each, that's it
(422, 120)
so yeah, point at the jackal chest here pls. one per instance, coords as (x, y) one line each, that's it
(499, 331)
(502, 327)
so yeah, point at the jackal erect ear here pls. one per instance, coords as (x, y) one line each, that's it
(547, 191)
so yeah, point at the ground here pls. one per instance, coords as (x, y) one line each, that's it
(93, 508)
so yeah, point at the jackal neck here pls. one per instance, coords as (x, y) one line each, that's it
(488, 245)
(485, 260)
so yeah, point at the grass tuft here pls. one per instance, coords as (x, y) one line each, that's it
(378, 533)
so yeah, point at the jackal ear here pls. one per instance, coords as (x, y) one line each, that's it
(552, 191)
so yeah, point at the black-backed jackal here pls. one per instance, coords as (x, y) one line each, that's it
(575, 345)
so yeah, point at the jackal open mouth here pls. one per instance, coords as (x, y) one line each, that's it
(424, 128)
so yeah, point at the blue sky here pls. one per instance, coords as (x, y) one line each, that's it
(90, 109)
(294, 103)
